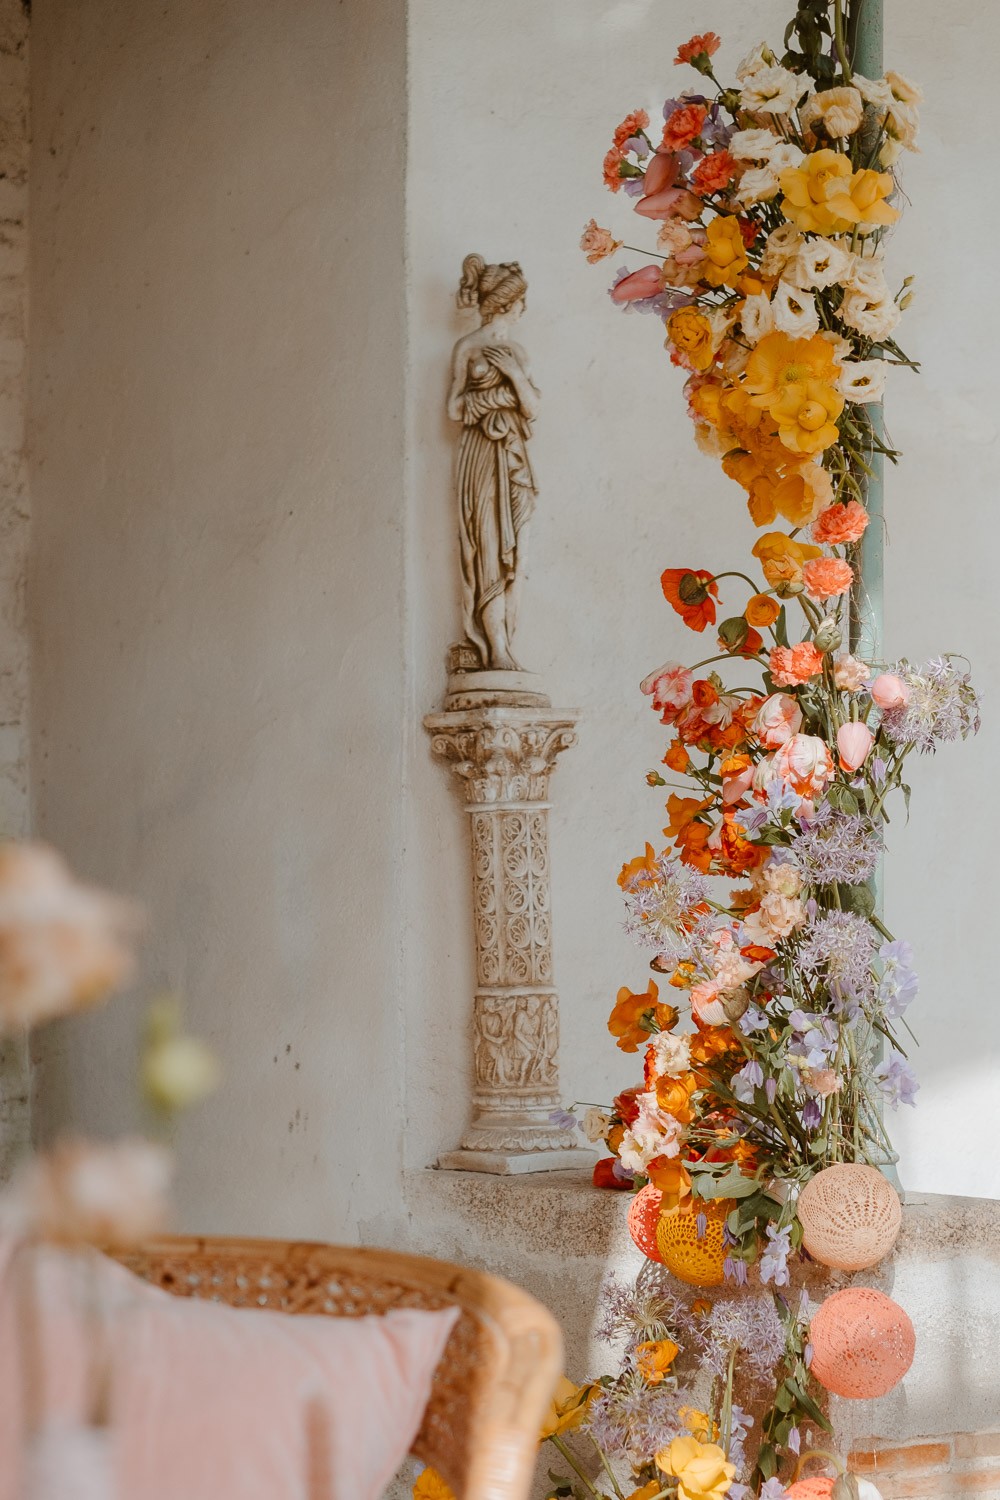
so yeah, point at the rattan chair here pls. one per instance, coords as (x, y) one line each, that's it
(496, 1376)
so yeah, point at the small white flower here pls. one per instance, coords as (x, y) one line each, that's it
(756, 60)
(839, 111)
(672, 1054)
(903, 90)
(757, 318)
(596, 1124)
(794, 311)
(752, 145)
(874, 317)
(787, 154)
(863, 380)
(819, 263)
(773, 91)
(902, 122)
(756, 186)
(842, 348)
(890, 153)
(876, 91)
(781, 245)
(867, 275)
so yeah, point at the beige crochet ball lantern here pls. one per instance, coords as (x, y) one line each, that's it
(643, 1219)
(862, 1343)
(691, 1241)
(850, 1216)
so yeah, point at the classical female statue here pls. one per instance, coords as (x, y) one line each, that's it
(492, 395)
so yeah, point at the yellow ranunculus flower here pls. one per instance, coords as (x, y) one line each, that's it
(647, 1491)
(725, 253)
(654, 1358)
(566, 1409)
(702, 1470)
(825, 196)
(807, 416)
(691, 333)
(781, 559)
(429, 1485)
(699, 1424)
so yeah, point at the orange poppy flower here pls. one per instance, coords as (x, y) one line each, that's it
(635, 1016)
(604, 1175)
(692, 843)
(671, 1177)
(691, 594)
(642, 865)
(682, 812)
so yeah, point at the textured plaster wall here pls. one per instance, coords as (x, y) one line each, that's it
(217, 394)
(14, 147)
(511, 108)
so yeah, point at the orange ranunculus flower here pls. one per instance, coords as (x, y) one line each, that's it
(669, 1174)
(631, 1011)
(725, 253)
(781, 557)
(614, 1138)
(762, 610)
(691, 333)
(641, 870)
(674, 1096)
(780, 361)
(677, 757)
(826, 196)
(692, 594)
(736, 853)
(682, 811)
(653, 1359)
(704, 693)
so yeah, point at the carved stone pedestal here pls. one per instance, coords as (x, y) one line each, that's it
(503, 757)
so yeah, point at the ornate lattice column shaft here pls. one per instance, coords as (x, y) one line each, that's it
(503, 758)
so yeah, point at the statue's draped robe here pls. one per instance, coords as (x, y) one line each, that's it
(496, 493)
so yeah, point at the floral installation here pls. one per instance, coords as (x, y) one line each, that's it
(770, 200)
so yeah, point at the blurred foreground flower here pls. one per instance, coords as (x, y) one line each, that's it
(63, 946)
(177, 1070)
(112, 1194)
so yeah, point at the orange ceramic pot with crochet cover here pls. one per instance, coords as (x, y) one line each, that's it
(811, 1489)
(643, 1220)
(690, 1241)
(850, 1216)
(862, 1342)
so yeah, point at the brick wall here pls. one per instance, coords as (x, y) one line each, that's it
(14, 144)
(965, 1464)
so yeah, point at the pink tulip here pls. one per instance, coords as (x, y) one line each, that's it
(661, 172)
(670, 203)
(645, 283)
(735, 787)
(890, 691)
(854, 742)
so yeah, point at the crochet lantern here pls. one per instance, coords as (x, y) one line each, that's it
(850, 1216)
(862, 1343)
(643, 1219)
(691, 1241)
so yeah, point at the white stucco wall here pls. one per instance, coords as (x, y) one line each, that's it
(511, 110)
(241, 603)
(217, 394)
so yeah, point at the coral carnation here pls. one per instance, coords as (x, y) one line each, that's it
(630, 127)
(840, 525)
(713, 173)
(612, 176)
(684, 126)
(791, 666)
(705, 45)
(827, 577)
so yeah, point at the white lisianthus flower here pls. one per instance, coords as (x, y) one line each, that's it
(876, 91)
(653, 1133)
(780, 247)
(902, 123)
(757, 186)
(671, 1054)
(839, 111)
(757, 318)
(596, 1124)
(819, 263)
(772, 91)
(752, 145)
(867, 275)
(842, 348)
(733, 358)
(863, 380)
(903, 90)
(874, 317)
(794, 311)
(756, 60)
(786, 154)
(890, 153)
(776, 917)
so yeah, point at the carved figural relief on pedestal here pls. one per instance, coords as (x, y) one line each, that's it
(501, 737)
(493, 397)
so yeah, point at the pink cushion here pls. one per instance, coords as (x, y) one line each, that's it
(212, 1401)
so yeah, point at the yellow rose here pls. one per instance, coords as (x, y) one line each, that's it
(825, 196)
(702, 1470)
(566, 1409)
(725, 253)
(691, 333)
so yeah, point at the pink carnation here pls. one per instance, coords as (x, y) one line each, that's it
(840, 525)
(826, 577)
(791, 666)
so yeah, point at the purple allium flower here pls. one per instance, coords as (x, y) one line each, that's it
(633, 1420)
(751, 1323)
(837, 847)
(839, 948)
(896, 1080)
(899, 983)
(658, 909)
(774, 1261)
(646, 1308)
(943, 706)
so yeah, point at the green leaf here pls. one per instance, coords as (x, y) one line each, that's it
(842, 798)
(857, 898)
(767, 1461)
(781, 627)
(732, 1184)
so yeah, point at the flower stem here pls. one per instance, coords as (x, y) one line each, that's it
(557, 1442)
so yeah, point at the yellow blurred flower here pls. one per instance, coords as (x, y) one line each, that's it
(429, 1485)
(566, 1409)
(177, 1070)
(699, 1423)
(825, 196)
(647, 1491)
(654, 1358)
(725, 253)
(702, 1469)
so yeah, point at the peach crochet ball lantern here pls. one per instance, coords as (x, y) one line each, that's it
(850, 1216)
(862, 1342)
(816, 1488)
(691, 1241)
(643, 1218)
